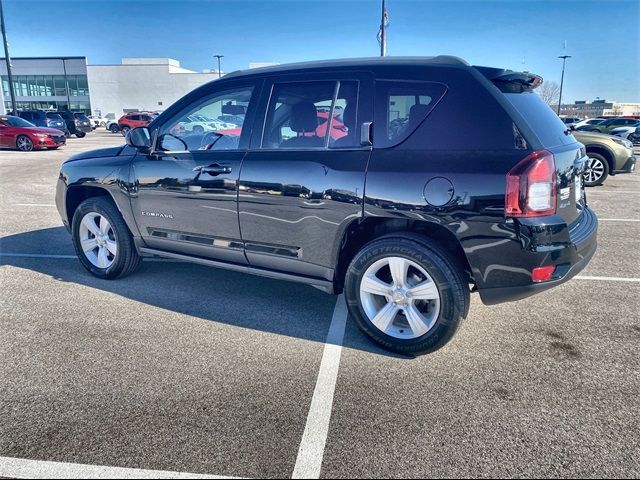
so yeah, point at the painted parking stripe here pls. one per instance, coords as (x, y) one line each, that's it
(35, 255)
(23, 468)
(608, 279)
(35, 205)
(619, 219)
(589, 192)
(314, 438)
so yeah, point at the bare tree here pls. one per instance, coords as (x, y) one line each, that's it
(550, 92)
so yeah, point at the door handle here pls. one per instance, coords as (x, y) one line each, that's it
(213, 170)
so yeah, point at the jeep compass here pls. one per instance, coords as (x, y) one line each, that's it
(447, 179)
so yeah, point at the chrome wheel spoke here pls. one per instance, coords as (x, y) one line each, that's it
(103, 259)
(88, 244)
(104, 226)
(112, 247)
(426, 290)
(416, 321)
(372, 284)
(385, 317)
(398, 267)
(89, 223)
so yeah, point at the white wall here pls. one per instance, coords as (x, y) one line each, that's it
(140, 85)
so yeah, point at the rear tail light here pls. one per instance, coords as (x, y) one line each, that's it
(531, 186)
(542, 274)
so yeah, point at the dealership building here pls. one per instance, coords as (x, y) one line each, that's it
(70, 83)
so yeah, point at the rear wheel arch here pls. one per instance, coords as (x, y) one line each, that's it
(605, 152)
(360, 232)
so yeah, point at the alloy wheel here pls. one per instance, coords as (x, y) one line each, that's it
(24, 143)
(98, 240)
(594, 171)
(400, 298)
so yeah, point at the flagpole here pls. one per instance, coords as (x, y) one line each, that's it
(383, 32)
(8, 60)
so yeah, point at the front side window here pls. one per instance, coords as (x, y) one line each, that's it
(401, 108)
(215, 123)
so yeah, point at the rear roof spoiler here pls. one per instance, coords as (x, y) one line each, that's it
(509, 81)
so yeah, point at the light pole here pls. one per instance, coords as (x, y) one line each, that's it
(564, 60)
(219, 71)
(8, 60)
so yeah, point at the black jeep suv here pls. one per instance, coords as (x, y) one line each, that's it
(406, 183)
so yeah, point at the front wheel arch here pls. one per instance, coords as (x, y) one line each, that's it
(77, 194)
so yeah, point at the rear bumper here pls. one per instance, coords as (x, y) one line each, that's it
(628, 167)
(569, 260)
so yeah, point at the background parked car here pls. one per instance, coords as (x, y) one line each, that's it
(77, 123)
(44, 119)
(589, 121)
(570, 120)
(608, 155)
(610, 124)
(97, 121)
(16, 132)
(112, 125)
(133, 120)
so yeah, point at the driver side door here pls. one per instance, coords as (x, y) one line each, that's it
(186, 189)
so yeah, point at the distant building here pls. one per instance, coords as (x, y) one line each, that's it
(141, 84)
(46, 83)
(69, 83)
(597, 108)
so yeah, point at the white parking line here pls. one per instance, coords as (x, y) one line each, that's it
(619, 219)
(314, 438)
(607, 279)
(590, 192)
(35, 255)
(35, 205)
(23, 468)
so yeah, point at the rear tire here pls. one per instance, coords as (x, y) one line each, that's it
(124, 130)
(418, 314)
(198, 130)
(104, 249)
(114, 128)
(597, 170)
(80, 134)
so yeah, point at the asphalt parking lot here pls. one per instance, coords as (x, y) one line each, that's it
(182, 368)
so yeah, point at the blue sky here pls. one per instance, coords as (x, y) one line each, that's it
(602, 35)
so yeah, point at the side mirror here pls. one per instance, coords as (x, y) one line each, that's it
(139, 137)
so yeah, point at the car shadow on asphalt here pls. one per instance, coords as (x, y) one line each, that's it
(212, 294)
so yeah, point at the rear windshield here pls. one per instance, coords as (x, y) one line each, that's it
(54, 116)
(80, 116)
(541, 119)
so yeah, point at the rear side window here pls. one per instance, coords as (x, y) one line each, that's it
(401, 107)
(541, 119)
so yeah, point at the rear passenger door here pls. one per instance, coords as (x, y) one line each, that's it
(302, 182)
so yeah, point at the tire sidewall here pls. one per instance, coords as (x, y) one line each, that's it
(605, 174)
(451, 306)
(107, 210)
(80, 134)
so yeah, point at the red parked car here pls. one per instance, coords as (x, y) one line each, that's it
(16, 132)
(133, 120)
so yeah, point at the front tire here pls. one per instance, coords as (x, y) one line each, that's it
(124, 131)
(406, 294)
(24, 143)
(80, 134)
(114, 128)
(102, 240)
(597, 170)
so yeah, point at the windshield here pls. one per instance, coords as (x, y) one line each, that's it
(16, 122)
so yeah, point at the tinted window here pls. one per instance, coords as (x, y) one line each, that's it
(295, 114)
(345, 127)
(541, 118)
(401, 107)
(186, 130)
(54, 116)
(25, 115)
